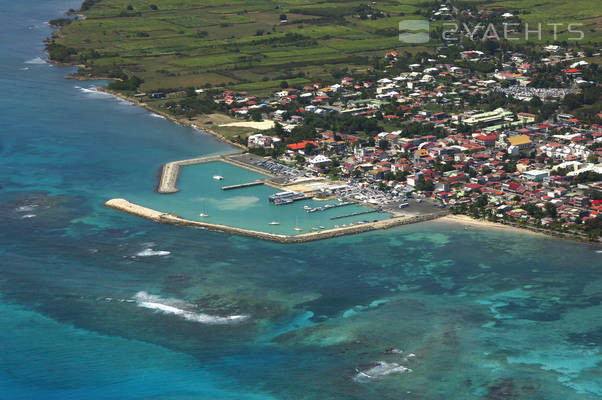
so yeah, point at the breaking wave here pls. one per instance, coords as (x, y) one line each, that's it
(150, 252)
(26, 208)
(27, 216)
(182, 309)
(93, 92)
(37, 61)
(157, 116)
(381, 369)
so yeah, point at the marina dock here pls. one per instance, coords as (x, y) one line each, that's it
(172, 219)
(242, 185)
(354, 214)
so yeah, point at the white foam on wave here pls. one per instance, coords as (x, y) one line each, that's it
(182, 309)
(157, 116)
(150, 252)
(92, 91)
(381, 369)
(26, 208)
(36, 61)
(27, 216)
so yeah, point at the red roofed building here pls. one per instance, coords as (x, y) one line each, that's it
(300, 145)
(486, 140)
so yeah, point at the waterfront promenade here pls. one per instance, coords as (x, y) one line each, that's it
(172, 219)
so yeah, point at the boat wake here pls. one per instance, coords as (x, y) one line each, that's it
(381, 369)
(182, 309)
(150, 253)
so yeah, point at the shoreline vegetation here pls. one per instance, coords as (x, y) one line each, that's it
(469, 221)
(178, 120)
(124, 205)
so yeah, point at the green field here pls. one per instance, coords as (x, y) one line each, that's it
(238, 44)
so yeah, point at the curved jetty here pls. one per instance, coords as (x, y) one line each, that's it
(167, 218)
(171, 171)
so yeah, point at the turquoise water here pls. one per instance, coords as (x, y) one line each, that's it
(244, 207)
(98, 304)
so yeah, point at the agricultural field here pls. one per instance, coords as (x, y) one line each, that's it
(252, 44)
(256, 44)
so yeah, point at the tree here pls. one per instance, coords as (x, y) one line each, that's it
(309, 148)
(383, 144)
(283, 84)
(510, 167)
(550, 210)
(424, 185)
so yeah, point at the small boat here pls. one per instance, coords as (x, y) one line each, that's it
(218, 177)
(297, 225)
(321, 227)
(274, 223)
(204, 211)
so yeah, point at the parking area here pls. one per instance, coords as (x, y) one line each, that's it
(282, 172)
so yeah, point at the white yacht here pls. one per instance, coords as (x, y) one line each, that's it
(218, 177)
(274, 223)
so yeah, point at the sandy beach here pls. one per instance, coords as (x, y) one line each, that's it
(259, 125)
(466, 220)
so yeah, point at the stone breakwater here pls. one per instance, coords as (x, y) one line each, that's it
(171, 170)
(172, 219)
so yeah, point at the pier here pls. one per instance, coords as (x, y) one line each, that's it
(172, 219)
(242, 185)
(354, 214)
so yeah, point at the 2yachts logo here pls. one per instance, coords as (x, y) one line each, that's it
(418, 31)
(509, 31)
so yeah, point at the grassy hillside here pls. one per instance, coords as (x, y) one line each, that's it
(245, 44)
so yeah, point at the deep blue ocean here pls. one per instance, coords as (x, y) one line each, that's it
(96, 304)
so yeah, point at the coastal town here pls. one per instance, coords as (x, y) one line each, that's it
(493, 129)
(433, 132)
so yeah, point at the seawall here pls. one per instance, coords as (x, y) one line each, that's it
(172, 219)
(171, 170)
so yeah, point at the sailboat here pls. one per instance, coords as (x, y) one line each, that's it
(297, 225)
